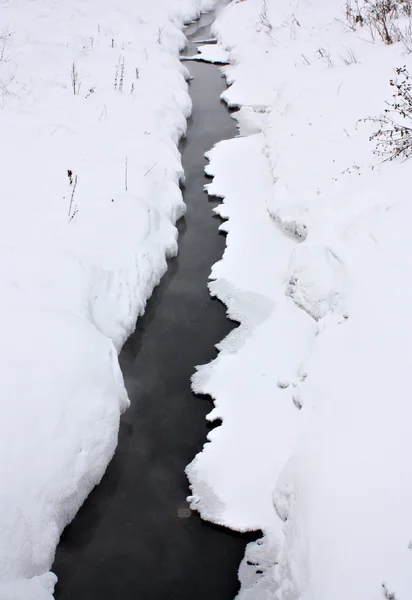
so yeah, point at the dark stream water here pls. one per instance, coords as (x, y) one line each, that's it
(134, 538)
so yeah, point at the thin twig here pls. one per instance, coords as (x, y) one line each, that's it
(72, 196)
(148, 171)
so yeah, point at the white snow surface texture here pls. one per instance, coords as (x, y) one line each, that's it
(97, 89)
(313, 388)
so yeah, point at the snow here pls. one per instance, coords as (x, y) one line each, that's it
(210, 53)
(313, 386)
(234, 374)
(93, 101)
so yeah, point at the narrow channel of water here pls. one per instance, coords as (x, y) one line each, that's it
(134, 538)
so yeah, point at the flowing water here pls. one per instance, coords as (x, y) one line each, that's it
(135, 538)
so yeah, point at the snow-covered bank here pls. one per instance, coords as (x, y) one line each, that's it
(93, 101)
(313, 386)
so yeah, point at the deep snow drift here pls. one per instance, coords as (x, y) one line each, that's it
(93, 101)
(312, 388)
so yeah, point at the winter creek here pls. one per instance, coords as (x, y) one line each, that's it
(135, 538)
